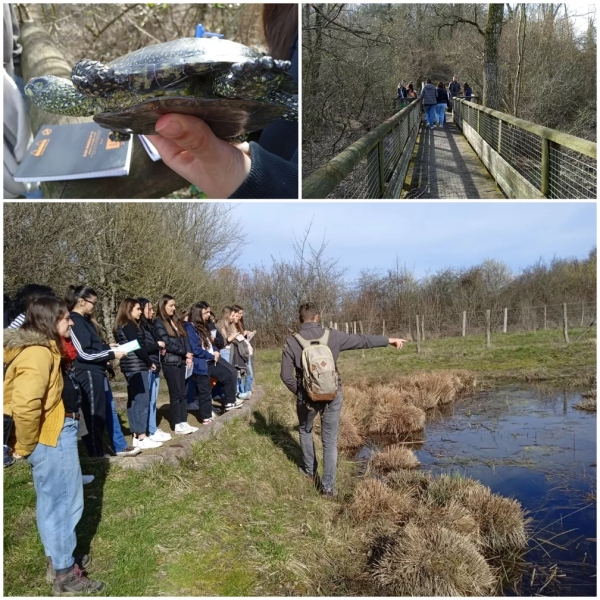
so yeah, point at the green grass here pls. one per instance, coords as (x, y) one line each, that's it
(236, 518)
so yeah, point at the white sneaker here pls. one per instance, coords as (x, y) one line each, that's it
(190, 427)
(214, 415)
(181, 429)
(147, 443)
(193, 406)
(160, 436)
(244, 395)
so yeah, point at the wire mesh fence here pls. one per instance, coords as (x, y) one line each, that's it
(458, 322)
(373, 167)
(557, 164)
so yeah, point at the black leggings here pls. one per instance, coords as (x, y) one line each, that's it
(226, 375)
(203, 395)
(175, 376)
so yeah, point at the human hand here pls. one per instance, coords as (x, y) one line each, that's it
(161, 344)
(153, 367)
(113, 345)
(189, 355)
(397, 342)
(119, 355)
(189, 147)
(217, 355)
(189, 362)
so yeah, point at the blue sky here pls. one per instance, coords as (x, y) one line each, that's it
(426, 237)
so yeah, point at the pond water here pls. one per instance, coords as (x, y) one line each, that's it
(531, 445)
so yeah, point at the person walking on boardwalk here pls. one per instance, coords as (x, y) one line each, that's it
(442, 99)
(467, 91)
(316, 350)
(454, 88)
(429, 95)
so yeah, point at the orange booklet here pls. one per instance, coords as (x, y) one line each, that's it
(74, 151)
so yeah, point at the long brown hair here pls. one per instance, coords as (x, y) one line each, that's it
(173, 324)
(280, 24)
(200, 324)
(124, 314)
(240, 324)
(42, 315)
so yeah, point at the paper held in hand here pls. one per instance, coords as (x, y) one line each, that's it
(189, 370)
(128, 347)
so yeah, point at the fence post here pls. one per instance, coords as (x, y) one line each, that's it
(347, 330)
(418, 335)
(545, 322)
(383, 329)
(488, 325)
(362, 352)
(423, 327)
(565, 323)
(381, 160)
(330, 324)
(545, 173)
(500, 141)
(335, 325)
(464, 330)
(582, 311)
(505, 319)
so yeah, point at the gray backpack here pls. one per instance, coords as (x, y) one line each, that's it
(319, 375)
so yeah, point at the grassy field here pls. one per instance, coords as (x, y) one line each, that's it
(237, 518)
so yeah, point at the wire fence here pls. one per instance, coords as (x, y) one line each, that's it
(557, 164)
(464, 322)
(375, 166)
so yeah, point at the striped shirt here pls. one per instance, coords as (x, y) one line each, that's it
(16, 324)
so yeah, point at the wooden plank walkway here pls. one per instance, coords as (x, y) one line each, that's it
(444, 165)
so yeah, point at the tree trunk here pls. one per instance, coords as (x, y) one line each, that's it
(521, 51)
(491, 69)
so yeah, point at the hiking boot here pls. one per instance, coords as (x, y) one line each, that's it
(75, 583)
(83, 561)
(329, 493)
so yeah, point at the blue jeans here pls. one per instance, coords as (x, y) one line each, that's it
(138, 401)
(59, 491)
(330, 423)
(153, 384)
(441, 113)
(430, 114)
(225, 353)
(117, 439)
(245, 385)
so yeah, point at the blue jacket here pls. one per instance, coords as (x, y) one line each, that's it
(200, 354)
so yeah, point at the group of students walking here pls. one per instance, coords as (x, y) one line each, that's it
(55, 373)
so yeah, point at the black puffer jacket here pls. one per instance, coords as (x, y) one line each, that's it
(149, 339)
(177, 346)
(138, 360)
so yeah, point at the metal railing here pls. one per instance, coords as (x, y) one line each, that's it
(375, 166)
(558, 165)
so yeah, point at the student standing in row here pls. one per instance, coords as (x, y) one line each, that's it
(168, 328)
(90, 369)
(135, 366)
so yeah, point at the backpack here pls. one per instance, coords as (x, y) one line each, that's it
(319, 375)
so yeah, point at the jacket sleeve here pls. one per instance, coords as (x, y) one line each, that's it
(161, 333)
(131, 334)
(30, 385)
(348, 341)
(288, 370)
(82, 340)
(196, 348)
(270, 177)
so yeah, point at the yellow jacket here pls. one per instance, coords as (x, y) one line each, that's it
(33, 386)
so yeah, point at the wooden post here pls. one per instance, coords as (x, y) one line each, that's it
(488, 328)
(545, 322)
(545, 173)
(423, 327)
(464, 329)
(330, 324)
(565, 323)
(362, 352)
(418, 336)
(335, 326)
(505, 319)
(383, 329)
(354, 327)
(347, 331)
(146, 179)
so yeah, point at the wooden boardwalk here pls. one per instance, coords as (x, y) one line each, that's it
(444, 165)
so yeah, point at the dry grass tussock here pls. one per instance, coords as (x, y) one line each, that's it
(396, 419)
(589, 401)
(445, 489)
(358, 405)
(349, 437)
(433, 561)
(414, 483)
(374, 500)
(393, 458)
(502, 521)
